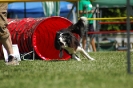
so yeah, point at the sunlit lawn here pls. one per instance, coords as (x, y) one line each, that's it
(109, 70)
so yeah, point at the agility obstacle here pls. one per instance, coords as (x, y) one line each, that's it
(109, 32)
(115, 22)
(38, 35)
(112, 18)
(128, 30)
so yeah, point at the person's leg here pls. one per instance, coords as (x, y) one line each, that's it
(84, 42)
(93, 44)
(92, 37)
(7, 44)
(5, 39)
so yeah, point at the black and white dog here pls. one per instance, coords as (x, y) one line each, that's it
(65, 40)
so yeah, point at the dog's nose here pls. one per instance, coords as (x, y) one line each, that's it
(60, 39)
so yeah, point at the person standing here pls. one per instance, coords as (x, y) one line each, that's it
(5, 37)
(86, 9)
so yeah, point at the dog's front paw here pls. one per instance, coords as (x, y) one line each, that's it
(78, 59)
(92, 59)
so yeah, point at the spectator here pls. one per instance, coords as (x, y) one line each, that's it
(5, 37)
(85, 9)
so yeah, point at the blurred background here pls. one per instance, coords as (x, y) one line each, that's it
(113, 31)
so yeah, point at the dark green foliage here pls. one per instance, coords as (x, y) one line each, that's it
(113, 12)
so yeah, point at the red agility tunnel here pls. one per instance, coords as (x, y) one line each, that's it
(38, 34)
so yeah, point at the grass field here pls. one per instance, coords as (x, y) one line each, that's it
(109, 70)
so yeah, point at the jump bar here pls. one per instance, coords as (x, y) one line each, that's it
(112, 18)
(108, 32)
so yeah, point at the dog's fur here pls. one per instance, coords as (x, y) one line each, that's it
(65, 40)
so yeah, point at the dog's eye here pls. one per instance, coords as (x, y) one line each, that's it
(63, 36)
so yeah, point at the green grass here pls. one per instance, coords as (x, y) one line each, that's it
(109, 70)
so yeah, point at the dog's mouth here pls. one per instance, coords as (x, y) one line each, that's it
(61, 44)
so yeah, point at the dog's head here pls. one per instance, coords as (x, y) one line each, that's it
(65, 39)
(80, 26)
(62, 38)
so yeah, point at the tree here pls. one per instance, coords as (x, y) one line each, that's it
(113, 12)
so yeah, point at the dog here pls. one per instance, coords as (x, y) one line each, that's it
(65, 40)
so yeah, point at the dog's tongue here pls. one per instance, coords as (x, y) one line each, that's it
(61, 54)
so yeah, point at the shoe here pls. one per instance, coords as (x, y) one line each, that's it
(12, 61)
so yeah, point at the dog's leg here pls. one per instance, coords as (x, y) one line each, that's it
(80, 49)
(74, 56)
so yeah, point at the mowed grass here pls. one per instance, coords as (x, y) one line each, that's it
(109, 70)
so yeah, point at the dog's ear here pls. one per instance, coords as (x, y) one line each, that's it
(56, 41)
(67, 34)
